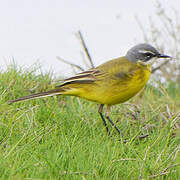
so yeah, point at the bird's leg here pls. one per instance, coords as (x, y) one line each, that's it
(108, 117)
(102, 117)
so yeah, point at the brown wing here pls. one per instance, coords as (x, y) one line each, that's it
(86, 77)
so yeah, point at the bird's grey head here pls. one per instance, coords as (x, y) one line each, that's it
(144, 52)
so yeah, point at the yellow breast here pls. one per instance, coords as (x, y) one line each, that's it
(128, 88)
(134, 85)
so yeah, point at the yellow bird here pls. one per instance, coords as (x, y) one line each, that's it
(113, 82)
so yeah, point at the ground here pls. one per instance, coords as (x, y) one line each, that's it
(64, 137)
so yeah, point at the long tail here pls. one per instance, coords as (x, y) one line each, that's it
(38, 95)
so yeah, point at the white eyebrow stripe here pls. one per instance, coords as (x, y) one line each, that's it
(146, 51)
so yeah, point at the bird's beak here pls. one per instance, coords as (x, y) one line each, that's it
(163, 56)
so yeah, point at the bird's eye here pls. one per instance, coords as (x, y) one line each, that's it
(148, 54)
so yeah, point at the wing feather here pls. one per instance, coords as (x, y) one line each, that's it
(86, 77)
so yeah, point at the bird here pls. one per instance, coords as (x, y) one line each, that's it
(113, 82)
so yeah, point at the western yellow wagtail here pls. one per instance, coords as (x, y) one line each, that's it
(113, 82)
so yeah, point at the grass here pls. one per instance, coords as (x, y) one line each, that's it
(64, 137)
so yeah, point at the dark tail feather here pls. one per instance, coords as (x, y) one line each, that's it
(38, 95)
